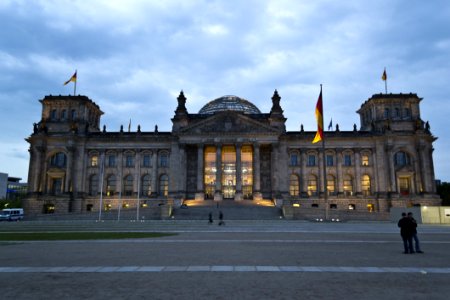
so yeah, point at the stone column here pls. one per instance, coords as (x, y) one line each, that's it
(218, 196)
(391, 170)
(120, 174)
(137, 175)
(200, 195)
(257, 173)
(154, 173)
(238, 196)
(339, 175)
(322, 180)
(304, 178)
(358, 171)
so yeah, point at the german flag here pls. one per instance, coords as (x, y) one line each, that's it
(73, 78)
(319, 118)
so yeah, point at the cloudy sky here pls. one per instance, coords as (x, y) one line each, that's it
(134, 57)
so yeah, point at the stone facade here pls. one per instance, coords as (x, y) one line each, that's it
(230, 150)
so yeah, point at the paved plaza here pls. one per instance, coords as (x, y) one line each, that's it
(241, 260)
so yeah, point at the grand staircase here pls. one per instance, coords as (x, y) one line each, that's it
(231, 210)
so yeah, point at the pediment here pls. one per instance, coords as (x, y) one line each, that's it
(228, 123)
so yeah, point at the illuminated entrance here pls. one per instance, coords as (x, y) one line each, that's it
(228, 171)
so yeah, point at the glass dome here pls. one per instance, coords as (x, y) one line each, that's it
(229, 103)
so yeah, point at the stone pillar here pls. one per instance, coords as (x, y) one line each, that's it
(339, 175)
(238, 196)
(137, 171)
(200, 195)
(154, 173)
(218, 196)
(358, 171)
(120, 174)
(304, 178)
(322, 180)
(391, 170)
(257, 196)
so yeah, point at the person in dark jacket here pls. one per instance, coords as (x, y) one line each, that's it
(406, 231)
(221, 222)
(414, 233)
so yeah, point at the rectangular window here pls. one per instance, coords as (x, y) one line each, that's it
(311, 160)
(129, 162)
(347, 160)
(94, 161)
(53, 114)
(146, 161)
(73, 114)
(111, 161)
(365, 160)
(330, 161)
(294, 159)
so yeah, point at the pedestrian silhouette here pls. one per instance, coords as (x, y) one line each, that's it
(221, 222)
(210, 218)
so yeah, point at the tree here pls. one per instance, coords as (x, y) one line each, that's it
(444, 192)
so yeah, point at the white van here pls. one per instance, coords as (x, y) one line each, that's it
(11, 214)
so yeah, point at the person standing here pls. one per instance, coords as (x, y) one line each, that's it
(406, 230)
(210, 218)
(221, 222)
(414, 233)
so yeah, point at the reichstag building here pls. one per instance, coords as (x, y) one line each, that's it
(230, 151)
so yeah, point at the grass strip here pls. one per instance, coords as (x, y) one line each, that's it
(65, 236)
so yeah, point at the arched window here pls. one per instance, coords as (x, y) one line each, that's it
(128, 185)
(294, 185)
(58, 160)
(365, 185)
(164, 185)
(110, 185)
(401, 159)
(348, 185)
(146, 185)
(331, 185)
(93, 185)
(312, 185)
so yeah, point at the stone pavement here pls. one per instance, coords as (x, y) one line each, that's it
(242, 260)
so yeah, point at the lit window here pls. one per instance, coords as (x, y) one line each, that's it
(312, 185)
(365, 160)
(348, 185)
(404, 184)
(110, 185)
(351, 207)
(365, 185)
(331, 185)
(294, 185)
(164, 185)
(94, 161)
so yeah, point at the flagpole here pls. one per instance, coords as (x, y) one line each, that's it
(75, 85)
(324, 165)
(385, 85)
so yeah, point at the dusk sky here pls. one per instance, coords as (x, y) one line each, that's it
(134, 57)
